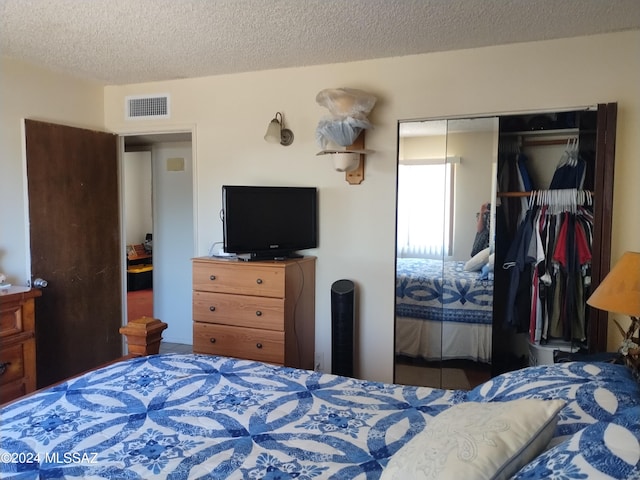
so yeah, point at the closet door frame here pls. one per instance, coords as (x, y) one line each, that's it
(603, 211)
(602, 184)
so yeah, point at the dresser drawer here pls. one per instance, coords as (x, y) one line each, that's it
(12, 391)
(239, 342)
(240, 310)
(11, 319)
(12, 363)
(239, 279)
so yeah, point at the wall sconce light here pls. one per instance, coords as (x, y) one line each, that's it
(277, 133)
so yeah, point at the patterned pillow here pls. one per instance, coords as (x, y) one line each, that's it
(593, 391)
(477, 440)
(610, 448)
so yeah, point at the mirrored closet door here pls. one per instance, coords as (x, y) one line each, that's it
(445, 232)
(472, 299)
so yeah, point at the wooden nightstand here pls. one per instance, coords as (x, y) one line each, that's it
(17, 342)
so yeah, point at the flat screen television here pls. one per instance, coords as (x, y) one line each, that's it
(261, 222)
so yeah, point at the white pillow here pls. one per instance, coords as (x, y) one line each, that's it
(491, 261)
(477, 261)
(491, 440)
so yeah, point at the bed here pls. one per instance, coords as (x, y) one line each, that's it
(185, 416)
(442, 311)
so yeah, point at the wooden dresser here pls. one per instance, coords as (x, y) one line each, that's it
(255, 310)
(17, 342)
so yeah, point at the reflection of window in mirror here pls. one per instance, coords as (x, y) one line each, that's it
(425, 203)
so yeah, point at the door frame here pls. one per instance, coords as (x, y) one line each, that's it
(153, 132)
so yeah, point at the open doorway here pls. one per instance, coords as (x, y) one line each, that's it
(158, 219)
(138, 230)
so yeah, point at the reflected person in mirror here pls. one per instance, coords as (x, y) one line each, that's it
(482, 232)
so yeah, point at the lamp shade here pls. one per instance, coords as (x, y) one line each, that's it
(273, 134)
(619, 292)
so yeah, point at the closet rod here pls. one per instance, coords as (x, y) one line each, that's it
(514, 194)
(560, 132)
(560, 136)
(523, 194)
(539, 143)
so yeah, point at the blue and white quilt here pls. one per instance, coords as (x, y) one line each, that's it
(198, 416)
(442, 291)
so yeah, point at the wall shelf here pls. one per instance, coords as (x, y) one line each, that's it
(354, 176)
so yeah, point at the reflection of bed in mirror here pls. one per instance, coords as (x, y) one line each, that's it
(442, 311)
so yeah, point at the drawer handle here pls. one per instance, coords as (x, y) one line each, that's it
(3, 367)
(212, 277)
(259, 281)
(212, 340)
(258, 313)
(259, 345)
(212, 308)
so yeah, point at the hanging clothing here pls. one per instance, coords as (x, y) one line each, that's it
(571, 169)
(552, 254)
(518, 262)
(513, 177)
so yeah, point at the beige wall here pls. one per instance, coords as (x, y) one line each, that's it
(136, 185)
(473, 176)
(30, 92)
(230, 114)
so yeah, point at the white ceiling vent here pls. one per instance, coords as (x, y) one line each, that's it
(146, 106)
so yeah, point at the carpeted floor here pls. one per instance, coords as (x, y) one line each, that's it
(452, 378)
(139, 304)
(456, 375)
(166, 347)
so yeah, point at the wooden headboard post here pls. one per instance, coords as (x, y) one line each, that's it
(144, 335)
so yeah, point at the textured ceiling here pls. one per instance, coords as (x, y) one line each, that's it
(130, 41)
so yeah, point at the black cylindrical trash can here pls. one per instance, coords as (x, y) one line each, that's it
(342, 327)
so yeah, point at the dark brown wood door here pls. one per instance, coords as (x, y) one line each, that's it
(602, 214)
(75, 245)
